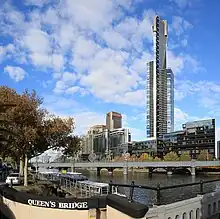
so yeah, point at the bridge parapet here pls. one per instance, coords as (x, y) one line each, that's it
(187, 209)
(211, 204)
(155, 164)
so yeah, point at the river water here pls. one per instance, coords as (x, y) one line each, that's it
(167, 196)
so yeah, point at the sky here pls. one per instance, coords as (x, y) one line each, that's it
(88, 57)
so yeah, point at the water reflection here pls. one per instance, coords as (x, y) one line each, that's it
(167, 196)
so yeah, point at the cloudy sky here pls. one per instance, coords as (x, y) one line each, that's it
(88, 57)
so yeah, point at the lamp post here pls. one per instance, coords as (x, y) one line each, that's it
(126, 155)
(37, 166)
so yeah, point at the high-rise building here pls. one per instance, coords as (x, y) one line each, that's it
(218, 150)
(113, 120)
(170, 101)
(156, 88)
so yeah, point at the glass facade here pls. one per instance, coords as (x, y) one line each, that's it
(170, 101)
(113, 120)
(156, 83)
(113, 142)
(194, 138)
(149, 102)
(141, 147)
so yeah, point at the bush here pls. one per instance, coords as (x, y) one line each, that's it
(185, 156)
(171, 156)
(157, 159)
(204, 155)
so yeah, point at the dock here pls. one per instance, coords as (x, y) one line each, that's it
(75, 184)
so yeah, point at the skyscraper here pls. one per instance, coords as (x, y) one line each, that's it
(113, 120)
(157, 102)
(170, 101)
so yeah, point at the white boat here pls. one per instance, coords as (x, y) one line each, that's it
(74, 173)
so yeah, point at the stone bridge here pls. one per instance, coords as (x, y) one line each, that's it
(169, 166)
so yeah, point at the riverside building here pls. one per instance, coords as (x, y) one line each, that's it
(193, 138)
(159, 86)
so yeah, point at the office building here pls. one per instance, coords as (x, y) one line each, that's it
(218, 150)
(170, 101)
(157, 82)
(88, 139)
(104, 142)
(113, 120)
(195, 137)
(111, 142)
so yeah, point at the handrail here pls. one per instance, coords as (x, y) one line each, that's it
(158, 189)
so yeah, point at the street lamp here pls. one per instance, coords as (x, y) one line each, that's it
(126, 155)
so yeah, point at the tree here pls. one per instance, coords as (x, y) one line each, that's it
(171, 156)
(133, 158)
(72, 147)
(185, 156)
(5, 133)
(157, 159)
(34, 130)
(204, 155)
(145, 157)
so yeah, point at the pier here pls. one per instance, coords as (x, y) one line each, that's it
(76, 184)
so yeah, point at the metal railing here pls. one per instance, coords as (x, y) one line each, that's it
(69, 185)
(158, 188)
(74, 187)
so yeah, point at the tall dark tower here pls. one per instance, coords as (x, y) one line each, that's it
(156, 87)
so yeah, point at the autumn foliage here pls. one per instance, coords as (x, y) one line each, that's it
(30, 130)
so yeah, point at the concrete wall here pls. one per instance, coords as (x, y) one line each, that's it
(187, 209)
(211, 205)
(15, 210)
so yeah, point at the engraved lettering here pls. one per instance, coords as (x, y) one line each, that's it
(53, 204)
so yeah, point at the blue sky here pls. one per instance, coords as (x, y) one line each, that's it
(89, 57)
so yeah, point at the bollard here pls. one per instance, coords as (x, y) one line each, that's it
(158, 195)
(130, 199)
(110, 187)
(201, 188)
(11, 183)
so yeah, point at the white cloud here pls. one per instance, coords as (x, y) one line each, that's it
(139, 65)
(15, 73)
(205, 92)
(85, 48)
(100, 13)
(84, 120)
(180, 25)
(34, 35)
(175, 62)
(107, 52)
(6, 51)
(66, 82)
(115, 40)
(181, 117)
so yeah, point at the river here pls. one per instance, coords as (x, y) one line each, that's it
(167, 196)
